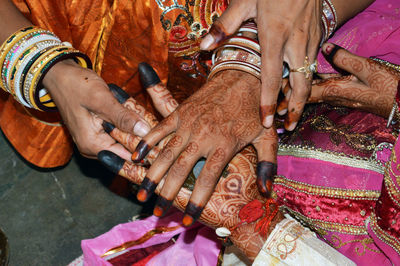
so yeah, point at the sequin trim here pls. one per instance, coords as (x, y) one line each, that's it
(329, 156)
(382, 235)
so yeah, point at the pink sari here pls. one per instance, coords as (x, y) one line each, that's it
(332, 170)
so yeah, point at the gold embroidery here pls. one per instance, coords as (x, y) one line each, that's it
(320, 226)
(383, 236)
(329, 156)
(327, 191)
(337, 243)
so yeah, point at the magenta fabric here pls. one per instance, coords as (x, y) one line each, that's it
(373, 33)
(196, 245)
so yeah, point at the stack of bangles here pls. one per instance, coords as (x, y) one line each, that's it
(26, 57)
(243, 53)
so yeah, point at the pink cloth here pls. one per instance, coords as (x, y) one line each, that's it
(373, 33)
(196, 245)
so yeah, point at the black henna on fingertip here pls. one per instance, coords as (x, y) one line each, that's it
(266, 172)
(162, 206)
(146, 189)
(121, 95)
(113, 162)
(140, 152)
(192, 213)
(108, 127)
(148, 76)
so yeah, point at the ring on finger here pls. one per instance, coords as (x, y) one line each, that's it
(308, 68)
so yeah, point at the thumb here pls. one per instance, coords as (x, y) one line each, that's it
(228, 23)
(266, 145)
(162, 98)
(351, 63)
(124, 118)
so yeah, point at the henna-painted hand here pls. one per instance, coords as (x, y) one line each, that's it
(84, 101)
(216, 122)
(234, 190)
(370, 86)
(288, 31)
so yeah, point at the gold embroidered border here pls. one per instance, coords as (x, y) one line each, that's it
(393, 191)
(383, 236)
(327, 191)
(329, 156)
(317, 224)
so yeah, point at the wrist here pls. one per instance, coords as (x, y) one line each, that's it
(58, 73)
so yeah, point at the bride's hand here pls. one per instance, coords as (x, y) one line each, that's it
(368, 86)
(236, 188)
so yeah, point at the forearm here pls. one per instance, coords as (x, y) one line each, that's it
(346, 9)
(11, 19)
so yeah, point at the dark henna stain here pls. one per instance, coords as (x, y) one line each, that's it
(118, 93)
(108, 127)
(192, 213)
(266, 110)
(146, 189)
(140, 152)
(162, 206)
(148, 76)
(112, 161)
(265, 175)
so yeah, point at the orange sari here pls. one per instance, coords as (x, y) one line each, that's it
(117, 35)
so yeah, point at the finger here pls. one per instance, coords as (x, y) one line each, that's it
(266, 145)
(160, 95)
(300, 83)
(176, 177)
(229, 22)
(271, 44)
(351, 63)
(328, 76)
(161, 165)
(163, 129)
(109, 109)
(127, 140)
(283, 105)
(117, 165)
(205, 184)
(131, 104)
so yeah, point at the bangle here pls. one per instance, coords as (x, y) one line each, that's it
(25, 57)
(329, 19)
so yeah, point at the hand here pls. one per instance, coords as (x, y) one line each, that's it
(370, 86)
(84, 101)
(216, 122)
(235, 189)
(288, 31)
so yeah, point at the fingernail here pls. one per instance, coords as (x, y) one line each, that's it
(146, 189)
(162, 206)
(108, 127)
(266, 172)
(328, 48)
(148, 76)
(187, 220)
(141, 129)
(268, 121)
(282, 112)
(291, 126)
(113, 162)
(140, 152)
(207, 42)
(267, 114)
(192, 213)
(142, 195)
(330, 51)
(118, 93)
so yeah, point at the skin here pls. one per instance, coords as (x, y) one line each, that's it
(82, 97)
(370, 87)
(231, 194)
(216, 122)
(288, 31)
